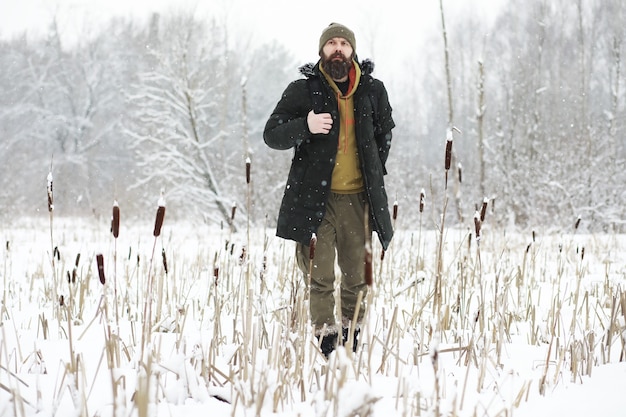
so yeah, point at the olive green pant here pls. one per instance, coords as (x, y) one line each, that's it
(341, 233)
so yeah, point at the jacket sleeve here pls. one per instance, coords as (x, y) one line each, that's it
(287, 126)
(383, 124)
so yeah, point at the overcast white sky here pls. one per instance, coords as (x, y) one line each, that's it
(381, 26)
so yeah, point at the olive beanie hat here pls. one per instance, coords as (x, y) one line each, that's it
(336, 30)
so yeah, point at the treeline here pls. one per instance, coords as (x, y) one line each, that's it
(176, 107)
(539, 100)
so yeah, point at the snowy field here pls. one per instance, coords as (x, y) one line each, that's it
(520, 325)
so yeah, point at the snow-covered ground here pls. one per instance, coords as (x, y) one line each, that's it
(526, 325)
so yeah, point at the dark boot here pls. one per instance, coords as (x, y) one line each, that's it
(328, 344)
(355, 341)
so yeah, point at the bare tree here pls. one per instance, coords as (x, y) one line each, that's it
(177, 119)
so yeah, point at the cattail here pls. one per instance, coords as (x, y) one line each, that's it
(50, 195)
(577, 223)
(395, 210)
(483, 209)
(159, 217)
(264, 266)
(477, 225)
(248, 170)
(368, 265)
(422, 199)
(61, 301)
(459, 168)
(242, 256)
(582, 253)
(216, 273)
(448, 150)
(434, 354)
(100, 262)
(164, 260)
(115, 221)
(74, 273)
(312, 245)
(233, 210)
(382, 255)
(69, 277)
(56, 253)
(216, 269)
(533, 236)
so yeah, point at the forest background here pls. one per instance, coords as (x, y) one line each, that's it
(177, 104)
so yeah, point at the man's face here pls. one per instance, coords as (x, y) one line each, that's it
(337, 58)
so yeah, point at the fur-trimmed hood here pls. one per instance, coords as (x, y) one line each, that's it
(308, 70)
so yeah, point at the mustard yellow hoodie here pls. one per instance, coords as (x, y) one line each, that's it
(347, 177)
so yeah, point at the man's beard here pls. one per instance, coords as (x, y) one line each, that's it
(337, 68)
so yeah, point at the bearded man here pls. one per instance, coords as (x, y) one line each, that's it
(338, 121)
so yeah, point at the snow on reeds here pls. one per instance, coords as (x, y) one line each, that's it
(517, 316)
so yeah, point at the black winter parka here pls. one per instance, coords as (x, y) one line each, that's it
(308, 185)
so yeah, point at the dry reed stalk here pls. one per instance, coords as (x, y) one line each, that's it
(388, 339)
(50, 195)
(434, 360)
(421, 206)
(147, 311)
(13, 390)
(312, 245)
(160, 286)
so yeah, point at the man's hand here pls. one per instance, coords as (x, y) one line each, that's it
(319, 123)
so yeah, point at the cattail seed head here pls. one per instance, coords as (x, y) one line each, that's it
(100, 263)
(448, 159)
(459, 168)
(216, 269)
(50, 194)
(233, 210)
(577, 223)
(312, 244)
(477, 224)
(395, 210)
(158, 223)
(61, 301)
(164, 260)
(382, 255)
(422, 199)
(483, 209)
(115, 220)
(248, 162)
